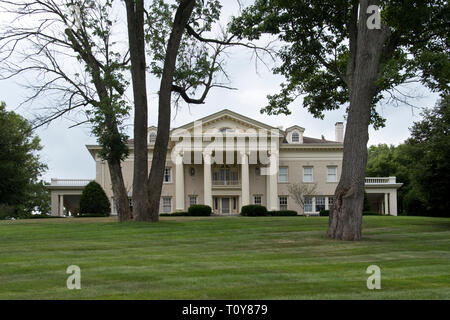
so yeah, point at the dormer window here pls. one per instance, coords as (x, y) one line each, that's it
(295, 137)
(152, 137)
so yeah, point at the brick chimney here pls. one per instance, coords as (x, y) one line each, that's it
(339, 132)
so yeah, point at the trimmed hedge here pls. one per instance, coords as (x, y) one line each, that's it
(41, 216)
(324, 213)
(254, 210)
(175, 214)
(279, 213)
(199, 210)
(94, 202)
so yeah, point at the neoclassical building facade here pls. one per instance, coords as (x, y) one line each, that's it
(227, 160)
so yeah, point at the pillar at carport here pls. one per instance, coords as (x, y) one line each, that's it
(386, 203)
(61, 205)
(55, 203)
(393, 203)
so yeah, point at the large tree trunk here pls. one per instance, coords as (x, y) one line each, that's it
(135, 22)
(119, 190)
(155, 179)
(346, 214)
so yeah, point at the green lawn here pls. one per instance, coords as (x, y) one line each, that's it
(223, 258)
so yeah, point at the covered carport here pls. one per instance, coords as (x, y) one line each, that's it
(382, 194)
(65, 196)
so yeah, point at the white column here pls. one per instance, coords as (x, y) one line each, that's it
(54, 202)
(179, 183)
(393, 203)
(61, 205)
(245, 180)
(386, 203)
(268, 192)
(273, 181)
(207, 179)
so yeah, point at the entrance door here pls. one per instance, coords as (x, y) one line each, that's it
(226, 205)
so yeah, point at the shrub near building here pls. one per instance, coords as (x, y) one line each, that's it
(253, 210)
(94, 202)
(199, 210)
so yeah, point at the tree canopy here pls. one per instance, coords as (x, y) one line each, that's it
(421, 164)
(20, 164)
(317, 38)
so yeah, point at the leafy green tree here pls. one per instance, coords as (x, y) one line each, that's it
(38, 199)
(421, 164)
(69, 49)
(347, 53)
(386, 161)
(20, 165)
(93, 200)
(430, 153)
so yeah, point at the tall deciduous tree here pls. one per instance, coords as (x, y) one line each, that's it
(186, 61)
(20, 165)
(69, 50)
(345, 53)
(430, 159)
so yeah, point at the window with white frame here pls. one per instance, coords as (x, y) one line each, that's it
(330, 201)
(308, 204)
(167, 204)
(320, 204)
(332, 174)
(192, 200)
(307, 174)
(283, 174)
(152, 137)
(295, 137)
(167, 175)
(283, 202)
(257, 199)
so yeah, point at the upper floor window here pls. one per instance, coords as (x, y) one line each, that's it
(295, 137)
(307, 174)
(167, 175)
(331, 174)
(283, 174)
(152, 137)
(257, 171)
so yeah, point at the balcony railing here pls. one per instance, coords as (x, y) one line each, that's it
(231, 183)
(380, 180)
(69, 182)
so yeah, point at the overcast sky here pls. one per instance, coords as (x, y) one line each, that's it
(67, 157)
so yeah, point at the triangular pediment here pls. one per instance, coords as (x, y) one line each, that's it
(227, 119)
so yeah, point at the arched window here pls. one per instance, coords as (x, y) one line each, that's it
(152, 137)
(295, 137)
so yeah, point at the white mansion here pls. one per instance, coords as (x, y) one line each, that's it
(227, 160)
